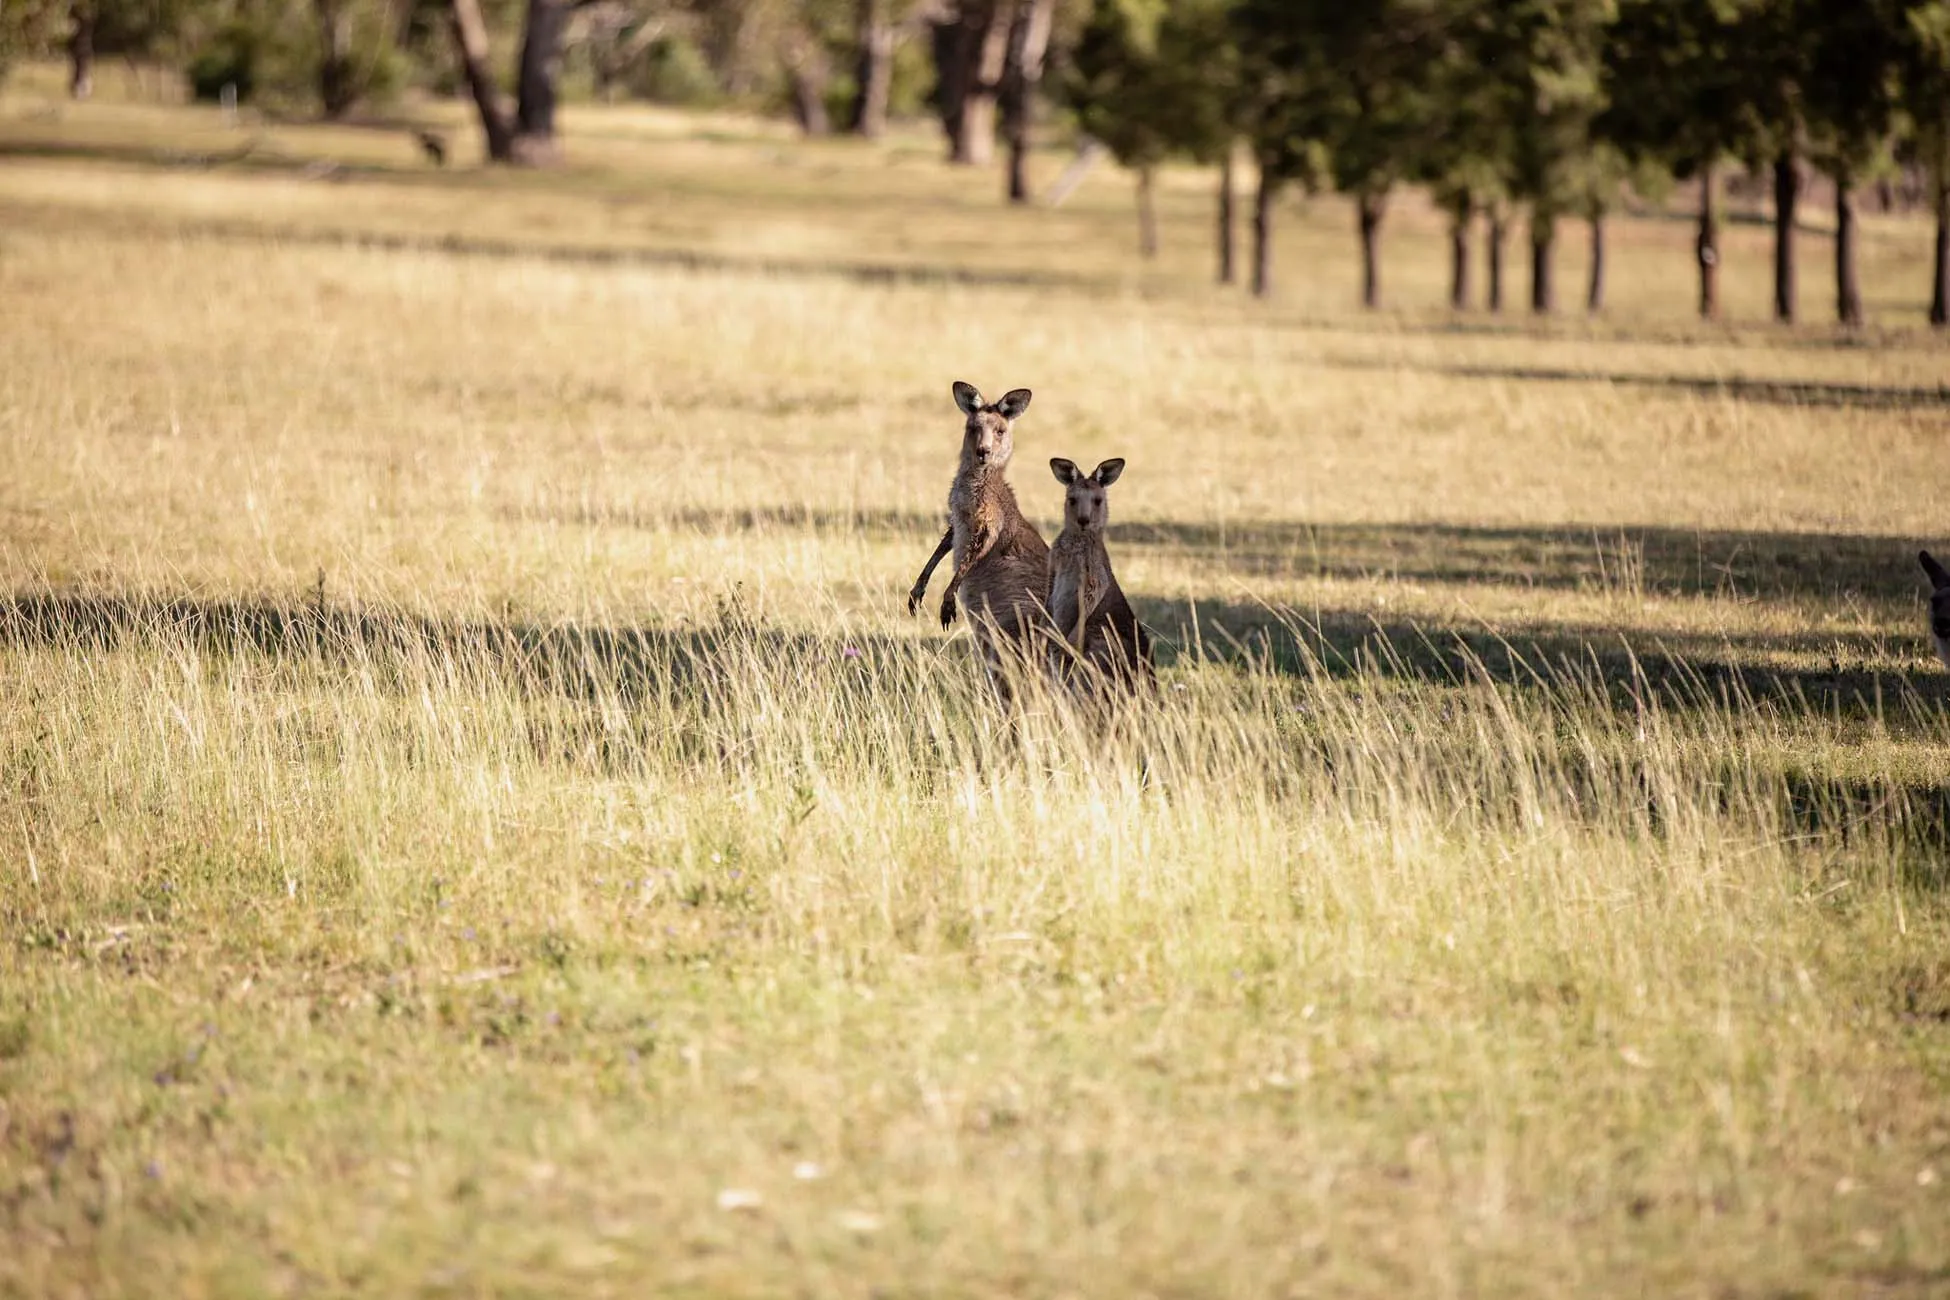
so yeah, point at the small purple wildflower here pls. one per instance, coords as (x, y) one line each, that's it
(851, 652)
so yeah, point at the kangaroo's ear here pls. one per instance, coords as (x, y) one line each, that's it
(1938, 577)
(1108, 471)
(967, 397)
(1065, 470)
(1013, 404)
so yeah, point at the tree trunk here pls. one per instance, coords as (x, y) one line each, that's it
(335, 89)
(471, 42)
(81, 52)
(806, 75)
(1460, 212)
(1594, 298)
(1269, 187)
(1147, 214)
(1023, 76)
(981, 50)
(1787, 188)
(950, 39)
(1543, 238)
(1848, 290)
(1940, 272)
(1499, 230)
(874, 73)
(1368, 211)
(809, 101)
(1228, 253)
(541, 61)
(1706, 246)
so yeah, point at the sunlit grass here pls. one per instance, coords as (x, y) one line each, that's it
(475, 818)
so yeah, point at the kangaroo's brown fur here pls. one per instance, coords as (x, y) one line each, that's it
(1001, 562)
(1095, 622)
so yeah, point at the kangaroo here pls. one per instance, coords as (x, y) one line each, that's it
(1093, 619)
(1939, 605)
(1001, 562)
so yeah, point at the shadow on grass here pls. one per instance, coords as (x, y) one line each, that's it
(701, 665)
(1907, 817)
(1773, 392)
(1782, 567)
(250, 158)
(859, 271)
(820, 521)
(576, 660)
(1685, 669)
(1775, 566)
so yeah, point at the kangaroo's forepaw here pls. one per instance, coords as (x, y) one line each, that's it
(948, 612)
(914, 598)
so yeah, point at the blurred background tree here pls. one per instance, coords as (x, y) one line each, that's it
(1549, 109)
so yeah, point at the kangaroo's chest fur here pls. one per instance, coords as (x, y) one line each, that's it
(1007, 583)
(1081, 577)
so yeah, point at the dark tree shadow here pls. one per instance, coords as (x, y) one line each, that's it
(860, 271)
(1684, 669)
(820, 521)
(1783, 567)
(1774, 392)
(629, 665)
(254, 157)
(1772, 566)
(568, 659)
(1907, 819)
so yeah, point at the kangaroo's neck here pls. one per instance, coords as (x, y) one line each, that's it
(980, 485)
(1081, 547)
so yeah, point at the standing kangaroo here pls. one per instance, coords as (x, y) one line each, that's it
(1939, 606)
(1001, 562)
(1093, 618)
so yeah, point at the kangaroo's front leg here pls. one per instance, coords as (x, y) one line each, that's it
(927, 572)
(976, 552)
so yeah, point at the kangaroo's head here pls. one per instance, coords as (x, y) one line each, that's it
(988, 440)
(1939, 604)
(1085, 505)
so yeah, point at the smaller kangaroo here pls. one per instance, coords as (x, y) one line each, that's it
(1939, 605)
(433, 145)
(1093, 618)
(1001, 561)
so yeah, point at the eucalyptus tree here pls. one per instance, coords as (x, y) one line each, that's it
(1925, 83)
(1678, 96)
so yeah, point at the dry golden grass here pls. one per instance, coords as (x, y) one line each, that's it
(475, 819)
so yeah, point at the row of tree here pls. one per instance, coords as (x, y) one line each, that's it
(1513, 114)
(834, 64)
(1553, 107)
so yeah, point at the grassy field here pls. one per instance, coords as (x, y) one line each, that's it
(476, 819)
